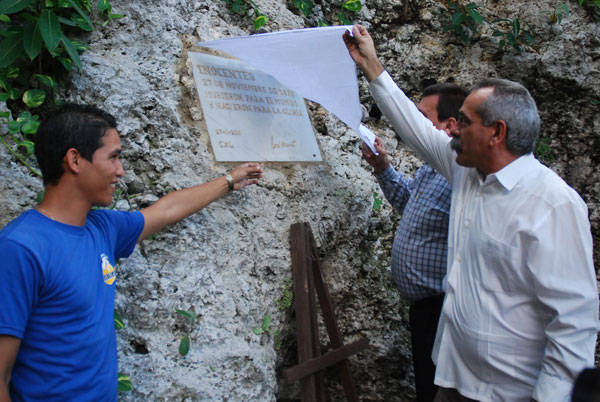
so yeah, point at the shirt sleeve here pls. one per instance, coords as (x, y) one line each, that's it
(21, 280)
(560, 259)
(123, 228)
(412, 127)
(397, 189)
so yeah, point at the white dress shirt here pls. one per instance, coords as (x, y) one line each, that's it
(520, 317)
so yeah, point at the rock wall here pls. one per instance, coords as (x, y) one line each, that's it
(229, 263)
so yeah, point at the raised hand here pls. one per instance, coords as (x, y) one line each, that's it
(378, 162)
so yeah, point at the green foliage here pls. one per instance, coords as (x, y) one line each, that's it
(377, 201)
(118, 321)
(184, 344)
(277, 340)
(514, 35)
(265, 326)
(543, 151)
(466, 21)
(349, 6)
(560, 11)
(596, 2)
(250, 9)
(285, 301)
(124, 383)
(305, 6)
(36, 43)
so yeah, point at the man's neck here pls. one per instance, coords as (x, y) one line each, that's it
(59, 204)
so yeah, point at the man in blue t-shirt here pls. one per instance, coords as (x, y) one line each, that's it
(57, 270)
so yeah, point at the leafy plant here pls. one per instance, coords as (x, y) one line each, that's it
(543, 150)
(184, 344)
(596, 2)
(377, 201)
(277, 340)
(560, 10)
(512, 34)
(285, 301)
(466, 21)
(305, 6)
(36, 45)
(265, 326)
(124, 383)
(250, 9)
(349, 6)
(118, 320)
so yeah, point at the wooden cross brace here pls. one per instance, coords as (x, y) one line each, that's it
(308, 280)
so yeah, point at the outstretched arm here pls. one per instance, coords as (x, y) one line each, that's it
(178, 205)
(362, 50)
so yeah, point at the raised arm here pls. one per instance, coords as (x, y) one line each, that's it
(9, 347)
(362, 50)
(178, 205)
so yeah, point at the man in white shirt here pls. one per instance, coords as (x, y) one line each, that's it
(520, 316)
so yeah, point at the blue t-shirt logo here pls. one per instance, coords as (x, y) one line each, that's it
(108, 271)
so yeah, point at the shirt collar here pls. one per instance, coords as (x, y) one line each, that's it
(510, 174)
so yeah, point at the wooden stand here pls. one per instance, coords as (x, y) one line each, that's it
(307, 277)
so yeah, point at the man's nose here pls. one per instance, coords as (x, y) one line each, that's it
(120, 171)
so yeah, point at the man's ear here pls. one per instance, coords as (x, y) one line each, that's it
(72, 161)
(499, 135)
(450, 125)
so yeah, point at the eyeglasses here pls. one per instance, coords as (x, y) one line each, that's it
(463, 121)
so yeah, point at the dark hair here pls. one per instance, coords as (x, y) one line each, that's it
(587, 386)
(451, 99)
(70, 126)
(511, 102)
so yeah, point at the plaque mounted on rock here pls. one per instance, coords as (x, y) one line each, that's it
(250, 116)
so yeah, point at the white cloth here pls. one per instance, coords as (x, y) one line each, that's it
(313, 62)
(520, 317)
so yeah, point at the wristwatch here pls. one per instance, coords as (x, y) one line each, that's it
(229, 181)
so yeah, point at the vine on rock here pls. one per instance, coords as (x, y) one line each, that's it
(37, 46)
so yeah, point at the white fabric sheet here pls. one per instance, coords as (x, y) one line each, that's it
(313, 62)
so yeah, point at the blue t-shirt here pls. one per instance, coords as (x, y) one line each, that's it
(57, 286)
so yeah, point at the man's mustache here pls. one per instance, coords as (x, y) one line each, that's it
(456, 145)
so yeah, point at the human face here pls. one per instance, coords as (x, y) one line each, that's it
(100, 176)
(428, 106)
(471, 139)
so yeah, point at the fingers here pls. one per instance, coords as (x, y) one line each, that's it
(246, 174)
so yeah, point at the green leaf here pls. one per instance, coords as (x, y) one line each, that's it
(258, 331)
(104, 5)
(82, 22)
(190, 315)
(32, 40)
(14, 6)
(305, 6)
(14, 127)
(34, 97)
(82, 14)
(11, 49)
(4, 18)
(124, 383)
(28, 145)
(260, 21)
(116, 16)
(3, 98)
(80, 46)
(50, 29)
(476, 16)
(4, 115)
(70, 48)
(65, 21)
(30, 127)
(343, 19)
(266, 324)
(352, 5)
(118, 320)
(46, 80)
(14, 93)
(66, 62)
(12, 72)
(184, 345)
